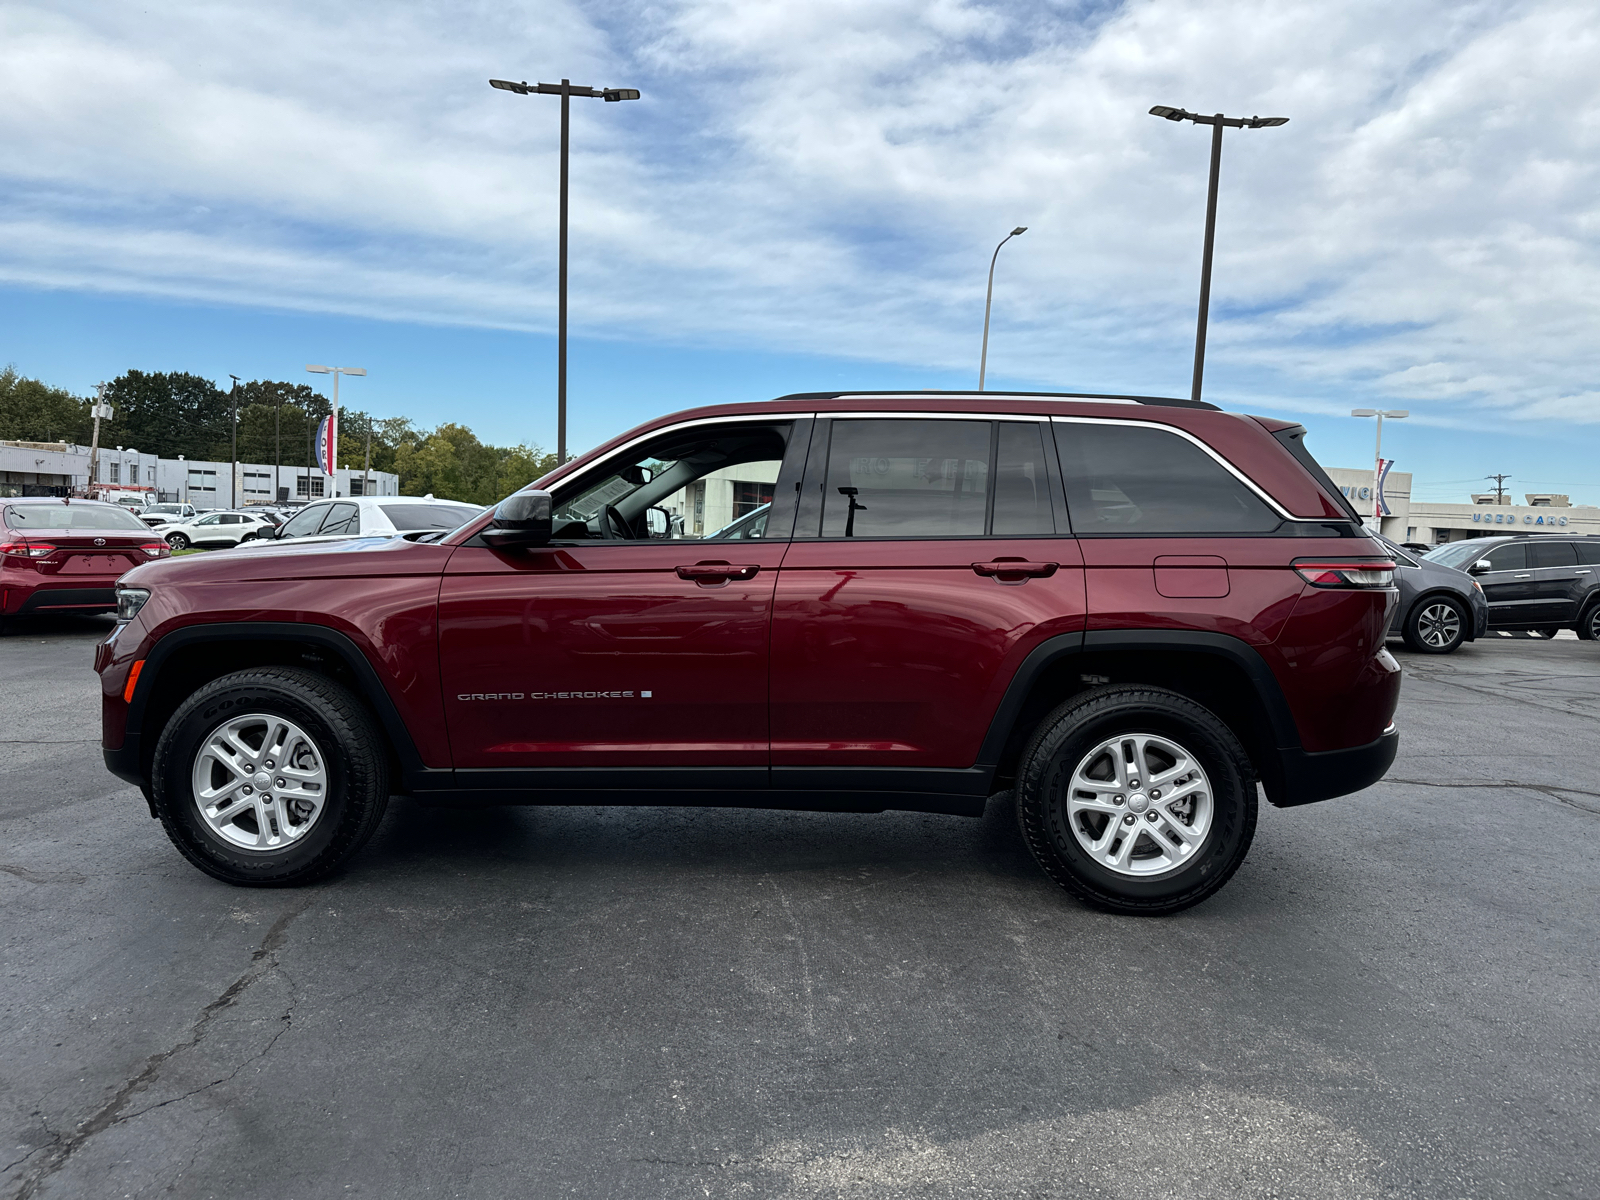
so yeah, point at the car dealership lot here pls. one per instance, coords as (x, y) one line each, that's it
(1396, 995)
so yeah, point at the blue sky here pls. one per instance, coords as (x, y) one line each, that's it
(807, 197)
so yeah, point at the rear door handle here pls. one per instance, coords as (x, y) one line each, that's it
(1522, 577)
(1015, 570)
(708, 572)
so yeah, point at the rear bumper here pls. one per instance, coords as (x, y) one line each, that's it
(62, 599)
(1307, 778)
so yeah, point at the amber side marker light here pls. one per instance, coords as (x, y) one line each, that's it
(133, 682)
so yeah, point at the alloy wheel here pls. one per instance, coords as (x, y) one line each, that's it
(1139, 804)
(1439, 625)
(260, 782)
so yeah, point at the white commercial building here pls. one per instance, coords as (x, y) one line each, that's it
(1435, 523)
(62, 469)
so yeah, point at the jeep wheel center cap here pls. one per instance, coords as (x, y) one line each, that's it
(1138, 802)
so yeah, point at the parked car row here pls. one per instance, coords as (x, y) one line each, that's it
(1536, 583)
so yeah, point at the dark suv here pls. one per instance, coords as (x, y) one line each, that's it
(1538, 584)
(1129, 611)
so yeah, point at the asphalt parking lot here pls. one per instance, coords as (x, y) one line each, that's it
(1396, 996)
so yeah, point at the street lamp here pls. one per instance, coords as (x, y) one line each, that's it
(1217, 121)
(988, 300)
(1394, 414)
(328, 464)
(566, 89)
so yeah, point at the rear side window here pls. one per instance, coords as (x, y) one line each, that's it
(906, 479)
(1552, 554)
(1129, 479)
(1511, 557)
(425, 516)
(1021, 484)
(1589, 552)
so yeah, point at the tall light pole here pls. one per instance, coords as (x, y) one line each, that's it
(566, 89)
(1394, 414)
(332, 461)
(988, 301)
(233, 469)
(1217, 121)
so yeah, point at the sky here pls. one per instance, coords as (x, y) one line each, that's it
(807, 198)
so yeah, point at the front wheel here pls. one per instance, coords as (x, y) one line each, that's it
(270, 777)
(1136, 800)
(1436, 626)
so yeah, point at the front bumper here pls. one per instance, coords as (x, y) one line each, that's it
(1306, 778)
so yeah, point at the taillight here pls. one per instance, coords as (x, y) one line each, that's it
(156, 549)
(1334, 573)
(26, 549)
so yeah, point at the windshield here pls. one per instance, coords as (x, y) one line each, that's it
(164, 508)
(427, 516)
(71, 516)
(1456, 554)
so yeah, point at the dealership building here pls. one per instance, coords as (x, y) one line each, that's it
(1486, 516)
(62, 469)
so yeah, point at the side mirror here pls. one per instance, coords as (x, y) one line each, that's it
(522, 519)
(659, 521)
(1481, 567)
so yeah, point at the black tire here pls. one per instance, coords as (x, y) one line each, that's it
(177, 541)
(1062, 743)
(353, 759)
(1435, 625)
(1588, 626)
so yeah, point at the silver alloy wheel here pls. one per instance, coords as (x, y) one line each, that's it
(260, 782)
(1439, 625)
(1139, 804)
(1594, 622)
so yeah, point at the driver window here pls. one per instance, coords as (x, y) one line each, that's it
(712, 481)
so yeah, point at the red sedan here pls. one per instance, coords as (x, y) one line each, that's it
(61, 556)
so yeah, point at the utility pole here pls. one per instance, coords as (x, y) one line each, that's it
(233, 470)
(1499, 488)
(366, 466)
(277, 453)
(101, 411)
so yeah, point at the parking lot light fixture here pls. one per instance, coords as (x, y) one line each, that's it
(988, 301)
(1217, 122)
(566, 89)
(1394, 414)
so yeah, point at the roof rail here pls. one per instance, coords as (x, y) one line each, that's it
(914, 393)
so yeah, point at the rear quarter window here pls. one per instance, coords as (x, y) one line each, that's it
(1142, 480)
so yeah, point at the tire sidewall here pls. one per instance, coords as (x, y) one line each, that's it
(181, 742)
(1046, 779)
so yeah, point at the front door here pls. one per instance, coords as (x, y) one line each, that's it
(617, 646)
(1508, 586)
(931, 554)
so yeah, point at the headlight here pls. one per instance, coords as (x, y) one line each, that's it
(129, 602)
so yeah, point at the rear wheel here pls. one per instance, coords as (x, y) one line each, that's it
(1136, 800)
(1436, 625)
(270, 777)
(177, 541)
(1588, 627)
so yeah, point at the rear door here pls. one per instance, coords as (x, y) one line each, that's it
(1508, 585)
(1559, 581)
(931, 554)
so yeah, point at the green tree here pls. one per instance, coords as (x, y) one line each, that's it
(169, 414)
(31, 411)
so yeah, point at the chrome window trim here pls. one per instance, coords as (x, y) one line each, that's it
(1227, 466)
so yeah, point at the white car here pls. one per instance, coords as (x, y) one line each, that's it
(375, 516)
(217, 529)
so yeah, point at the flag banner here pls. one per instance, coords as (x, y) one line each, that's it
(1382, 509)
(327, 442)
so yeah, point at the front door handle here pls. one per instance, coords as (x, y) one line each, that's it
(717, 572)
(1015, 570)
(1522, 577)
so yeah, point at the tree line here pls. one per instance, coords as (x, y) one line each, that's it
(173, 413)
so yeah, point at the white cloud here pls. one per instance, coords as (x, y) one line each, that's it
(831, 177)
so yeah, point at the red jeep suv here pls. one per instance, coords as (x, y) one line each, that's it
(1128, 610)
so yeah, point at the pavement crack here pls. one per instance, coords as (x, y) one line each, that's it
(43, 876)
(263, 961)
(1562, 795)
